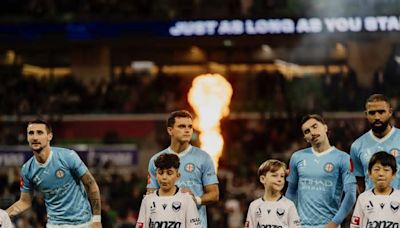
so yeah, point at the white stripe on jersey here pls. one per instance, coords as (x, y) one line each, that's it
(377, 210)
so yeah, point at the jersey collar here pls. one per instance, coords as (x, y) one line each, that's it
(176, 191)
(181, 153)
(319, 154)
(47, 161)
(373, 191)
(381, 140)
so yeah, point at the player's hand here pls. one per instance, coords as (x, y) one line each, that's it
(186, 189)
(331, 225)
(96, 225)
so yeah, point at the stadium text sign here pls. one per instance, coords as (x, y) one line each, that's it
(286, 26)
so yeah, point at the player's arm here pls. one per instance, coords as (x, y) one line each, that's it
(350, 191)
(360, 184)
(152, 184)
(292, 179)
(358, 168)
(211, 195)
(93, 192)
(24, 203)
(345, 207)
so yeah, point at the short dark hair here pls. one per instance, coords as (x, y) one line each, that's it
(179, 113)
(167, 161)
(385, 159)
(271, 165)
(41, 121)
(377, 97)
(312, 116)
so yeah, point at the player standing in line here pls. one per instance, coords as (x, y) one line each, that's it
(379, 206)
(197, 168)
(319, 175)
(382, 137)
(167, 206)
(62, 177)
(273, 209)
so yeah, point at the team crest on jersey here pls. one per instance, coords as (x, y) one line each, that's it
(189, 167)
(60, 173)
(176, 206)
(328, 167)
(280, 212)
(394, 152)
(394, 206)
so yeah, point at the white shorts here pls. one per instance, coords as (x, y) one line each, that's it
(83, 225)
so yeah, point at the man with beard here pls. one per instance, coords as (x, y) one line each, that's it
(382, 137)
(61, 176)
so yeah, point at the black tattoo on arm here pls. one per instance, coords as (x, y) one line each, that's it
(93, 192)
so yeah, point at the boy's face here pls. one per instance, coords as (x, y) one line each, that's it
(274, 180)
(381, 175)
(166, 178)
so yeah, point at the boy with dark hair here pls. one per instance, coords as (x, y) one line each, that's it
(167, 206)
(379, 206)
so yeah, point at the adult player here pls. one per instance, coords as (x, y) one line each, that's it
(197, 168)
(319, 175)
(61, 176)
(382, 137)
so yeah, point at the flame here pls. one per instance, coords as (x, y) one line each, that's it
(210, 97)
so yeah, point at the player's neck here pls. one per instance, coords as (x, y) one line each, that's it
(178, 147)
(167, 192)
(270, 195)
(321, 147)
(385, 191)
(43, 155)
(384, 133)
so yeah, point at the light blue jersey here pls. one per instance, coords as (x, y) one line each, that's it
(197, 170)
(59, 181)
(320, 179)
(368, 144)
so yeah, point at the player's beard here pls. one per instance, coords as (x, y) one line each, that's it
(379, 129)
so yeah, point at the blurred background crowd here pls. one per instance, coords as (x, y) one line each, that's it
(275, 79)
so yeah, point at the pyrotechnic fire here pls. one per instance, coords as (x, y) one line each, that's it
(210, 97)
